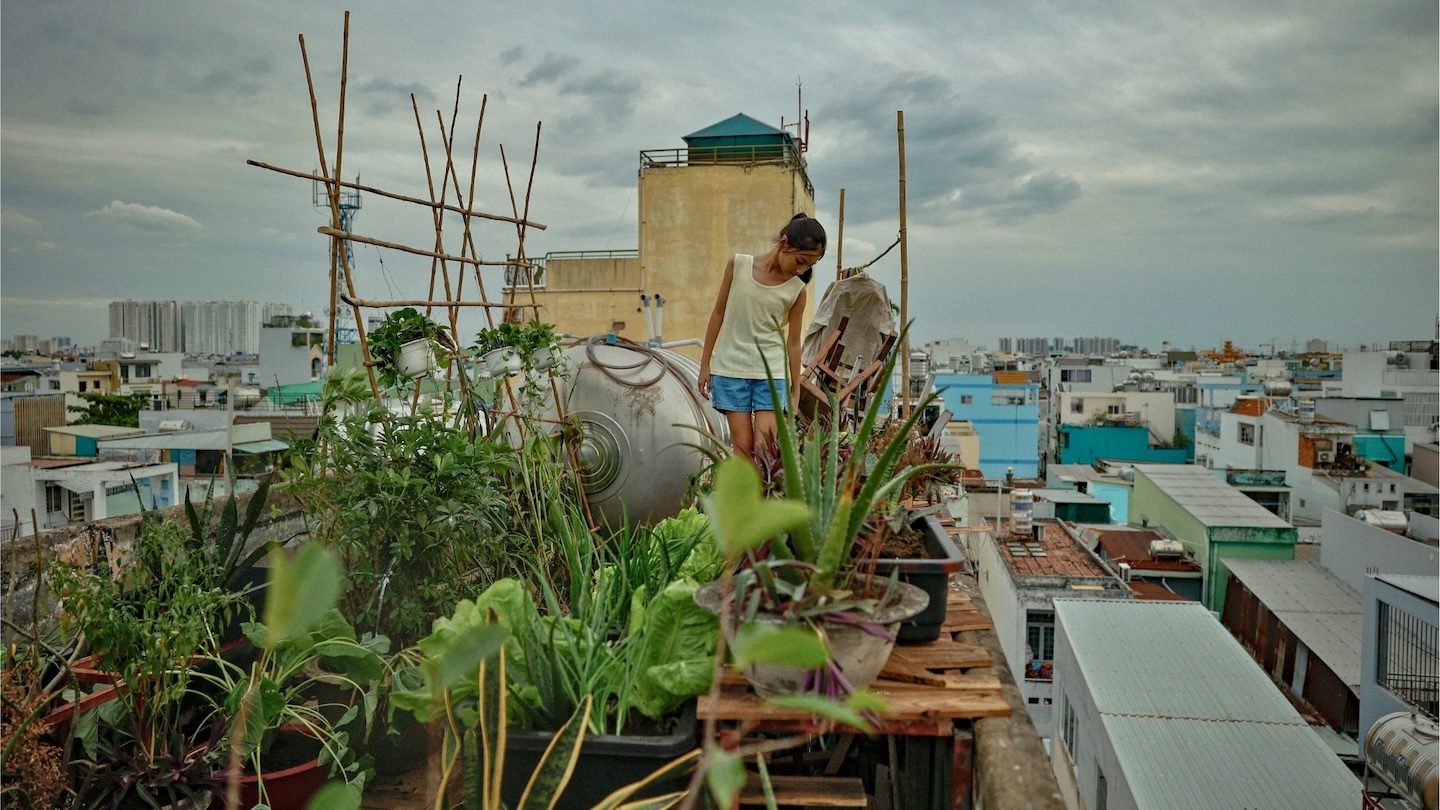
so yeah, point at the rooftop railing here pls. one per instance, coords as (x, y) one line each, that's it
(766, 154)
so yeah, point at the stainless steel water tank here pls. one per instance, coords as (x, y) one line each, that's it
(638, 407)
(1401, 749)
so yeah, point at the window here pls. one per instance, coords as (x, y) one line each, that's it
(1004, 396)
(1075, 375)
(82, 386)
(1077, 405)
(54, 385)
(1115, 410)
(967, 399)
(1040, 638)
(1406, 656)
(1247, 433)
(54, 499)
(1067, 726)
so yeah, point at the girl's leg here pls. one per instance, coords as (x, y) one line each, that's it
(742, 433)
(764, 427)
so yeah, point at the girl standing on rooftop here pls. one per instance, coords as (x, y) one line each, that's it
(759, 297)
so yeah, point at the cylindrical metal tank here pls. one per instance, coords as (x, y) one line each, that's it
(1022, 511)
(1275, 387)
(1305, 410)
(638, 408)
(1401, 749)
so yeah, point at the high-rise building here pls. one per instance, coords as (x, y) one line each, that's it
(1007, 345)
(155, 324)
(271, 310)
(221, 327)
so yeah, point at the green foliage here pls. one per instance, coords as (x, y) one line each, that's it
(418, 511)
(304, 642)
(120, 410)
(146, 624)
(223, 539)
(474, 704)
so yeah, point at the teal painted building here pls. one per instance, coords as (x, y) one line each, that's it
(1211, 518)
(1085, 444)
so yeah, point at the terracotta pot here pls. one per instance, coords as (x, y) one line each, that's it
(860, 655)
(287, 789)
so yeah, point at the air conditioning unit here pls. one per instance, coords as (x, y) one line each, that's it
(1324, 457)
(1124, 572)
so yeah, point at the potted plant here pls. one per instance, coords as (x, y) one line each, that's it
(803, 576)
(499, 349)
(465, 687)
(271, 703)
(905, 537)
(404, 346)
(142, 739)
(416, 509)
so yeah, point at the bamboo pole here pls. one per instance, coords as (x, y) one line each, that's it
(904, 278)
(370, 240)
(840, 240)
(392, 195)
(377, 303)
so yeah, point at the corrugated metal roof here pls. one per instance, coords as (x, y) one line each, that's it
(266, 446)
(96, 431)
(1422, 586)
(1193, 720)
(1066, 496)
(1320, 609)
(1188, 765)
(1209, 499)
(193, 439)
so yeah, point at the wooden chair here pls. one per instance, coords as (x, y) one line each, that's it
(827, 376)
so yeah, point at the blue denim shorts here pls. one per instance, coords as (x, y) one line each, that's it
(743, 396)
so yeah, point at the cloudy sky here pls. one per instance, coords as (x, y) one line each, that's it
(1187, 171)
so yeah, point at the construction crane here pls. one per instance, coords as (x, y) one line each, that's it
(345, 330)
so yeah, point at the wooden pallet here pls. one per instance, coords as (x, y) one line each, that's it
(807, 791)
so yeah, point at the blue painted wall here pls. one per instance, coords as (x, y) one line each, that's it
(1006, 417)
(1083, 444)
(1117, 495)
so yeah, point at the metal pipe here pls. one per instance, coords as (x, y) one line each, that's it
(659, 317)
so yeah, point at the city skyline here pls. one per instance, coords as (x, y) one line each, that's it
(1183, 174)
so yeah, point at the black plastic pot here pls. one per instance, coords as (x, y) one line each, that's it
(606, 764)
(932, 574)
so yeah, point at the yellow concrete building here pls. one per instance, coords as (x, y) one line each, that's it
(729, 190)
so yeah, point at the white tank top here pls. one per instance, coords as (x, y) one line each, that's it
(754, 314)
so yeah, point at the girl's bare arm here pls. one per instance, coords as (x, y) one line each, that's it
(712, 330)
(797, 312)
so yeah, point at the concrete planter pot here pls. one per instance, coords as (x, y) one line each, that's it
(859, 655)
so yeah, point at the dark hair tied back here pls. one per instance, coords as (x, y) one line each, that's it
(803, 232)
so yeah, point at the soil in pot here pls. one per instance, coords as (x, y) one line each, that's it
(928, 568)
(908, 543)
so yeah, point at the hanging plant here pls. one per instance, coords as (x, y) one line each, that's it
(404, 346)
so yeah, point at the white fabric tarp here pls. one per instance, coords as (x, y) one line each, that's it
(864, 301)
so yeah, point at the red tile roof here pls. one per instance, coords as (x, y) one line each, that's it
(1154, 592)
(1133, 546)
(1063, 556)
(1250, 406)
